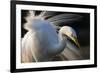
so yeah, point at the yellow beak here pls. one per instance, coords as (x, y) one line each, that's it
(74, 39)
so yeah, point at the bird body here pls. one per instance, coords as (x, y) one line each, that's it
(43, 41)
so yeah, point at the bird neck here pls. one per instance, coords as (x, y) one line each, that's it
(61, 44)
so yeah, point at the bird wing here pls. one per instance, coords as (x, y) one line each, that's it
(64, 18)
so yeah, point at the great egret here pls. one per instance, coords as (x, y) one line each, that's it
(42, 42)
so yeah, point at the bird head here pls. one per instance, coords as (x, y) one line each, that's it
(70, 33)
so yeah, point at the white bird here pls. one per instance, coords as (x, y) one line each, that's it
(43, 43)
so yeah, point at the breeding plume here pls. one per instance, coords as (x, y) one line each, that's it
(46, 40)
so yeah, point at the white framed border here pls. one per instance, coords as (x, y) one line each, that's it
(20, 65)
